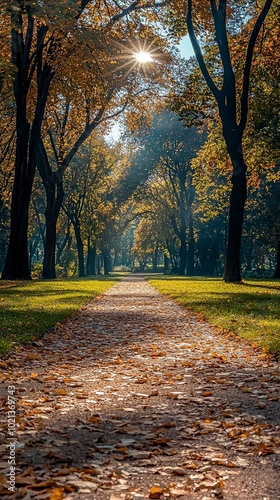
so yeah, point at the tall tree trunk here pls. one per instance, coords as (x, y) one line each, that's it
(226, 98)
(166, 264)
(55, 194)
(190, 258)
(16, 265)
(155, 260)
(80, 247)
(277, 272)
(98, 266)
(232, 272)
(91, 259)
(107, 260)
(173, 255)
(50, 246)
(182, 254)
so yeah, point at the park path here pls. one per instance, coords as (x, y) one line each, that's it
(134, 397)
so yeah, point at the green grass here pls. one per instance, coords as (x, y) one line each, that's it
(251, 309)
(30, 308)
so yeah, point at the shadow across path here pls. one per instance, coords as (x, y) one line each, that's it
(134, 393)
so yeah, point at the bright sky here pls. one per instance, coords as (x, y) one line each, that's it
(186, 50)
(185, 47)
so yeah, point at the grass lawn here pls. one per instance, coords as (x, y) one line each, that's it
(251, 309)
(30, 308)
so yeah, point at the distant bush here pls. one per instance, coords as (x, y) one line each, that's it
(122, 269)
(37, 270)
(258, 273)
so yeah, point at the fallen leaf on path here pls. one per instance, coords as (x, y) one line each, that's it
(156, 492)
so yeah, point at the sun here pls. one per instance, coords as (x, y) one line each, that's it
(143, 57)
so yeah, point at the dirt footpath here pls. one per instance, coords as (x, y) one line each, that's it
(135, 398)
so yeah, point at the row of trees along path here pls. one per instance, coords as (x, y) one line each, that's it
(135, 397)
(46, 42)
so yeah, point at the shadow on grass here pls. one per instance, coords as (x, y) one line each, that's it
(254, 282)
(270, 287)
(29, 309)
(251, 304)
(250, 309)
(8, 285)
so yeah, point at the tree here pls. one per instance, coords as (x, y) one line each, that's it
(233, 128)
(87, 183)
(43, 33)
(169, 148)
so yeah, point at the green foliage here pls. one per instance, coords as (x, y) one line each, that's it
(250, 309)
(29, 309)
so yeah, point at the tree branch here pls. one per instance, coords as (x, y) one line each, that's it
(248, 64)
(135, 6)
(198, 53)
(53, 145)
(43, 163)
(229, 87)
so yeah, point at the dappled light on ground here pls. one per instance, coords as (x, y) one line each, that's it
(136, 398)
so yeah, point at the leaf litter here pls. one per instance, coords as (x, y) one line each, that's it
(135, 398)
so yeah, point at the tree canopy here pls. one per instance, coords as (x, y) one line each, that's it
(196, 135)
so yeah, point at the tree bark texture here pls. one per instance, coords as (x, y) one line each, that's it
(155, 259)
(91, 259)
(106, 260)
(55, 195)
(190, 258)
(226, 97)
(80, 247)
(277, 271)
(238, 196)
(16, 264)
(183, 254)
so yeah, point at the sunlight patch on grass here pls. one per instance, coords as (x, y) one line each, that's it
(28, 309)
(251, 309)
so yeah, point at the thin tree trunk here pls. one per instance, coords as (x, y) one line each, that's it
(173, 256)
(232, 272)
(107, 260)
(155, 260)
(91, 259)
(277, 272)
(166, 264)
(50, 247)
(182, 254)
(55, 196)
(80, 247)
(190, 258)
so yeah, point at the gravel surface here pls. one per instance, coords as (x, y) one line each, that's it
(135, 397)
